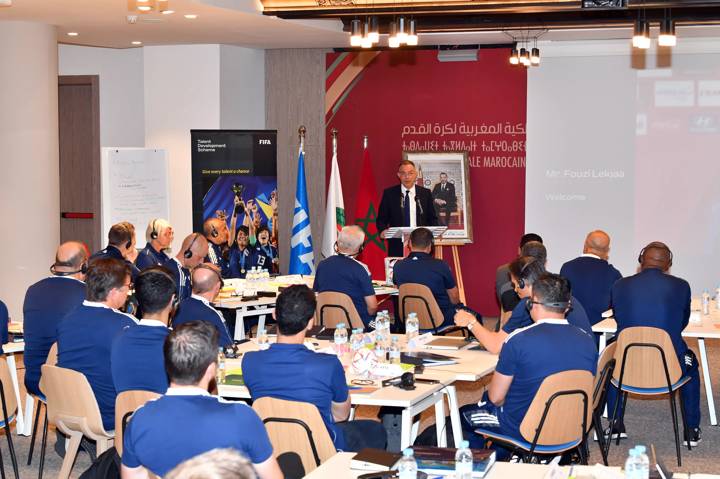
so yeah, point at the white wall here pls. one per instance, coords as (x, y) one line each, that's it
(121, 89)
(242, 88)
(627, 142)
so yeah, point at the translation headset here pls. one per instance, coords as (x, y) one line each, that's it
(406, 381)
(83, 269)
(567, 305)
(188, 252)
(154, 234)
(125, 228)
(521, 280)
(655, 245)
(161, 271)
(360, 250)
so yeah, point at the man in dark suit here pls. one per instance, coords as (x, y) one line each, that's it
(656, 299)
(445, 199)
(591, 276)
(406, 204)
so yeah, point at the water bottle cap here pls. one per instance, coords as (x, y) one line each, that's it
(464, 444)
(640, 449)
(341, 325)
(408, 452)
(633, 452)
(394, 339)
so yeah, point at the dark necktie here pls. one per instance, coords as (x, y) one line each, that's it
(406, 207)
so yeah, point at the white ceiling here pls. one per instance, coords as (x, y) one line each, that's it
(103, 23)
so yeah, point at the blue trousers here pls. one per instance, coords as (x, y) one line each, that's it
(474, 417)
(689, 393)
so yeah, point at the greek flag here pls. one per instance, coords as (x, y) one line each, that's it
(302, 259)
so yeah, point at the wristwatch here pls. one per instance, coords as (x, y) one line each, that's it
(470, 325)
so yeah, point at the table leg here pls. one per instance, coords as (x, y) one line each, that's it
(240, 324)
(440, 423)
(29, 406)
(602, 344)
(352, 413)
(707, 381)
(261, 322)
(414, 431)
(12, 365)
(405, 425)
(454, 414)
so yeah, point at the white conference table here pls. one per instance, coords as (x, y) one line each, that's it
(707, 328)
(339, 466)
(266, 305)
(471, 366)
(24, 421)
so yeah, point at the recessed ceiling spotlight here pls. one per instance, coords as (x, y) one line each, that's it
(191, 16)
(144, 8)
(73, 34)
(168, 12)
(136, 42)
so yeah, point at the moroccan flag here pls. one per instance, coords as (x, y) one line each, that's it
(335, 210)
(365, 214)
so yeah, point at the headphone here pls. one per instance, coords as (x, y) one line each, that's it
(360, 250)
(130, 234)
(154, 234)
(560, 304)
(521, 280)
(213, 232)
(205, 266)
(406, 381)
(658, 245)
(188, 252)
(83, 269)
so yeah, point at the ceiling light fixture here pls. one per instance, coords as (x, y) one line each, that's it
(373, 29)
(393, 41)
(144, 8)
(641, 34)
(355, 34)
(168, 12)
(412, 37)
(514, 58)
(667, 36)
(191, 16)
(136, 42)
(366, 41)
(401, 32)
(73, 34)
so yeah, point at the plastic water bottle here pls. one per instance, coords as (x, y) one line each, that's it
(412, 327)
(340, 339)
(262, 340)
(643, 463)
(394, 352)
(463, 461)
(221, 366)
(355, 341)
(632, 465)
(717, 298)
(407, 467)
(706, 302)
(380, 352)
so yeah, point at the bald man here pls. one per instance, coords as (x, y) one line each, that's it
(206, 284)
(343, 273)
(217, 234)
(47, 302)
(657, 299)
(192, 253)
(591, 277)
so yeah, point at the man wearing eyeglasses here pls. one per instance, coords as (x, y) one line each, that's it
(206, 285)
(548, 346)
(86, 334)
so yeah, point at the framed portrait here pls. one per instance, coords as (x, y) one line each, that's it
(447, 175)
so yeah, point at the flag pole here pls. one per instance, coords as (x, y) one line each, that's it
(365, 141)
(301, 137)
(334, 134)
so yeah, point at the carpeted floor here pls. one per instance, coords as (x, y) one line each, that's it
(647, 422)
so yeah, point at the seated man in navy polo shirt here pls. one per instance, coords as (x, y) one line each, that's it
(289, 370)
(206, 284)
(549, 345)
(657, 299)
(591, 276)
(217, 234)
(86, 334)
(192, 253)
(4, 321)
(524, 271)
(137, 353)
(420, 267)
(47, 302)
(159, 235)
(506, 295)
(342, 273)
(187, 420)
(121, 245)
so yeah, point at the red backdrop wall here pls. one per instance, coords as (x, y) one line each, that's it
(383, 94)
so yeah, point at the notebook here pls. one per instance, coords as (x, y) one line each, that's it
(369, 459)
(447, 343)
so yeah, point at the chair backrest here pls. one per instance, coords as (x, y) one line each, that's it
(561, 409)
(126, 404)
(639, 358)
(417, 298)
(71, 404)
(504, 316)
(52, 356)
(8, 390)
(334, 308)
(605, 368)
(295, 427)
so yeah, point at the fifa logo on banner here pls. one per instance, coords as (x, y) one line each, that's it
(264, 141)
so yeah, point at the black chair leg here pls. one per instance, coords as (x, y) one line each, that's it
(673, 411)
(685, 426)
(13, 458)
(2, 467)
(43, 445)
(34, 432)
(612, 422)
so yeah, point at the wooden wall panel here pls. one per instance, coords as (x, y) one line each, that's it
(294, 96)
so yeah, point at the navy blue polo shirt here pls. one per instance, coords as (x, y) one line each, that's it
(520, 317)
(197, 308)
(85, 339)
(114, 253)
(533, 353)
(653, 298)
(137, 360)
(187, 422)
(215, 256)
(46, 303)
(4, 319)
(344, 274)
(241, 262)
(182, 278)
(591, 280)
(294, 373)
(148, 257)
(434, 273)
(263, 256)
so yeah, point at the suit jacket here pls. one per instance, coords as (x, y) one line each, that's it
(390, 213)
(448, 195)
